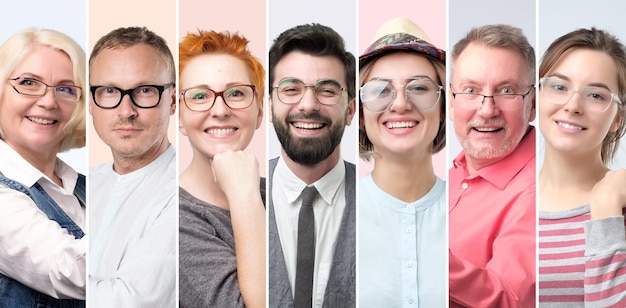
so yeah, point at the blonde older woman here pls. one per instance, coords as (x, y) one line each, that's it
(42, 217)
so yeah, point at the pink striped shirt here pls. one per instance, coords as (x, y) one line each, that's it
(582, 262)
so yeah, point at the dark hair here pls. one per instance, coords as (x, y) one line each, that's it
(130, 36)
(315, 40)
(599, 40)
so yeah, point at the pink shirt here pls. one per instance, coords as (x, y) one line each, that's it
(492, 231)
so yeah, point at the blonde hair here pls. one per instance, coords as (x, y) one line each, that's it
(20, 44)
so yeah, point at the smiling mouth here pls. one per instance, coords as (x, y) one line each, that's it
(41, 121)
(569, 126)
(220, 131)
(307, 125)
(487, 129)
(406, 124)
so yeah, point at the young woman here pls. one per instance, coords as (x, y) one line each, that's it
(402, 209)
(582, 246)
(42, 212)
(222, 218)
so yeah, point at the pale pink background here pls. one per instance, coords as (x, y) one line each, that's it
(429, 15)
(104, 16)
(245, 17)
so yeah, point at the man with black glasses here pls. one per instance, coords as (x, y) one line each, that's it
(132, 201)
(312, 190)
(492, 181)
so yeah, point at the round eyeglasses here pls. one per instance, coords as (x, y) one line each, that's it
(144, 96)
(378, 95)
(33, 87)
(594, 98)
(326, 91)
(202, 98)
(504, 101)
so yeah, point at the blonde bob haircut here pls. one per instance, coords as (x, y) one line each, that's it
(19, 45)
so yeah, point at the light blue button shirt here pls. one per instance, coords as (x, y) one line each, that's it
(402, 255)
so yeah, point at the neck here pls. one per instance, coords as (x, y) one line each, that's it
(123, 164)
(44, 161)
(198, 180)
(407, 180)
(310, 174)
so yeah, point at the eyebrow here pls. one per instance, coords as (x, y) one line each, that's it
(35, 76)
(593, 84)
(226, 86)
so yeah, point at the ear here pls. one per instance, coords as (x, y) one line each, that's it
(451, 111)
(350, 112)
(259, 116)
(617, 121)
(270, 115)
(533, 105)
(173, 103)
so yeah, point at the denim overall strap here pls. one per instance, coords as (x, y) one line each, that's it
(14, 293)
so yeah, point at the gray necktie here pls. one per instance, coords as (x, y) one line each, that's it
(306, 250)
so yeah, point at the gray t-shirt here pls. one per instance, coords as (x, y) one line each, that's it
(207, 264)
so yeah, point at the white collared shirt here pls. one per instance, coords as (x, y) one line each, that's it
(132, 222)
(35, 250)
(328, 209)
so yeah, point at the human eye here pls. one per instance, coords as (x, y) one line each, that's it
(235, 93)
(108, 91)
(597, 95)
(506, 91)
(146, 91)
(67, 90)
(29, 82)
(197, 95)
(469, 90)
(290, 87)
(557, 85)
(416, 87)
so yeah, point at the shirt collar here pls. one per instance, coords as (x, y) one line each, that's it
(504, 170)
(15, 167)
(327, 186)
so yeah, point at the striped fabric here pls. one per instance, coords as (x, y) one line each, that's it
(582, 263)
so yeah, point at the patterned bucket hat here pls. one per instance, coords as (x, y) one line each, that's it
(400, 34)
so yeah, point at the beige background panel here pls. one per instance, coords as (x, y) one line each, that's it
(104, 16)
(249, 21)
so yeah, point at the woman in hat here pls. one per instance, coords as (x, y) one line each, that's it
(582, 242)
(42, 199)
(222, 218)
(402, 210)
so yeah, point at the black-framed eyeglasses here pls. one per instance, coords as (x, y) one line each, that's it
(559, 91)
(202, 98)
(33, 87)
(326, 91)
(144, 96)
(504, 101)
(378, 95)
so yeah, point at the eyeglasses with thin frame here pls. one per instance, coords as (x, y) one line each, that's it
(594, 98)
(504, 101)
(32, 87)
(326, 91)
(378, 95)
(202, 98)
(143, 96)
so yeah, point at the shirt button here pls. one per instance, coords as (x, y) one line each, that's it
(409, 264)
(464, 185)
(411, 300)
(409, 207)
(408, 230)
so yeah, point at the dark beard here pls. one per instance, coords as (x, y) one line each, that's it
(308, 151)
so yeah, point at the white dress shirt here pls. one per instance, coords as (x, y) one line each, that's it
(133, 227)
(328, 209)
(35, 250)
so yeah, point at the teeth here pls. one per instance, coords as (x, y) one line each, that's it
(400, 124)
(41, 121)
(220, 131)
(308, 125)
(486, 129)
(569, 126)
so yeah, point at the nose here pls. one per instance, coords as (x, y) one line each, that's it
(48, 100)
(574, 103)
(308, 102)
(127, 109)
(400, 103)
(488, 109)
(219, 108)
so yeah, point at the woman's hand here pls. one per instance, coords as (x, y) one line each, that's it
(237, 175)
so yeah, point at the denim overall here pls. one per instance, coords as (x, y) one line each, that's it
(12, 292)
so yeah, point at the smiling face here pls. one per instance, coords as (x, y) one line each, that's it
(132, 132)
(488, 133)
(572, 129)
(34, 125)
(401, 130)
(219, 128)
(308, 131)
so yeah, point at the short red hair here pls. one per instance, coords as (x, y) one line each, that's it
(211, 42)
